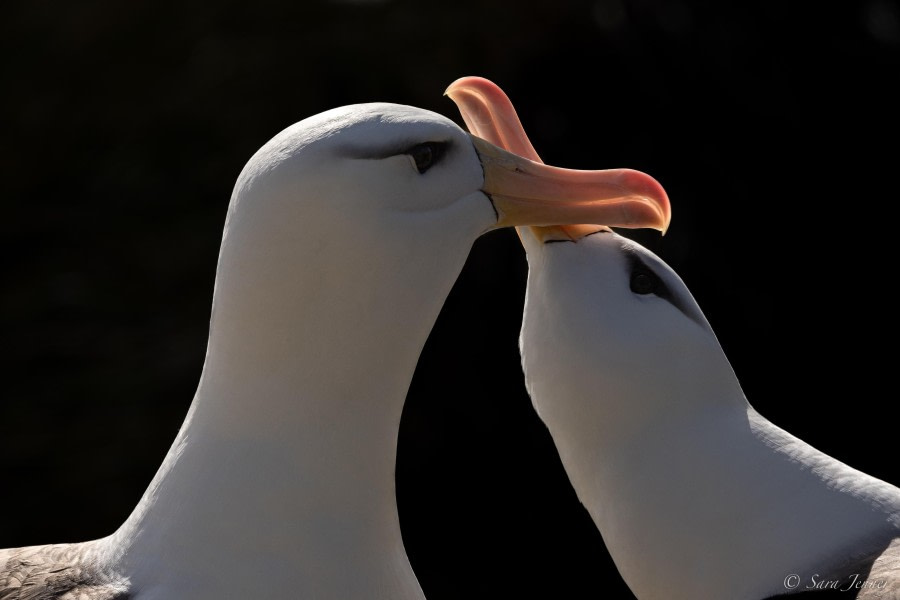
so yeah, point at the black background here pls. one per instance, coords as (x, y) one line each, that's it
(772, 126)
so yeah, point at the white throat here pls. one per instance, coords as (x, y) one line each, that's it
(299, 501)
(283, 473)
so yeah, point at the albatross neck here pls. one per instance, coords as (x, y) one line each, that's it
(281, 480)
(723, 503)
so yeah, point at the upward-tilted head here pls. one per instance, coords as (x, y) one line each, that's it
(605, 318)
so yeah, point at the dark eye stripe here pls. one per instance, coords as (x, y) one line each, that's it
(438, 150)
(637, 267)
(643, 276)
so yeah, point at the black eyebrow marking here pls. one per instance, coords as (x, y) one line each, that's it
(663, 291)
(579, 239)
(394, 149)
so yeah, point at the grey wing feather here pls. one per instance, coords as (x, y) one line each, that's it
(57, 572)
(883, 581)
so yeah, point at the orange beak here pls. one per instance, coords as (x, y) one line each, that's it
(556, 202)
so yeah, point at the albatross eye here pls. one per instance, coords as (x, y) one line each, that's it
(426, 155)
(643, 282)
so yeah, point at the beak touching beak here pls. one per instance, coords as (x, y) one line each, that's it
(527, 192)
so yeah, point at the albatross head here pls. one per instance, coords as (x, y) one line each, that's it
(613, 342)
(604, 317)
(344, 234)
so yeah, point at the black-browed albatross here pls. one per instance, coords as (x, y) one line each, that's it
(696, 494)
(344, 234)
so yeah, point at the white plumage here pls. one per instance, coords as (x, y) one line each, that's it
(696, 494)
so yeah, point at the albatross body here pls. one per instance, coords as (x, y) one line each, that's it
(696, 494)
(344, 234)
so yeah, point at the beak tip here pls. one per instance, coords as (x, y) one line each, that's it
(667, 219)
(469, 82)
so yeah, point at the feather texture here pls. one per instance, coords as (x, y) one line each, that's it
(58, 572)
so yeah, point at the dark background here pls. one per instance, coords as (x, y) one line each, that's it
(772, 125)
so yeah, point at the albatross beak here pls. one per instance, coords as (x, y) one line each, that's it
(531, 193)
(527, 192)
